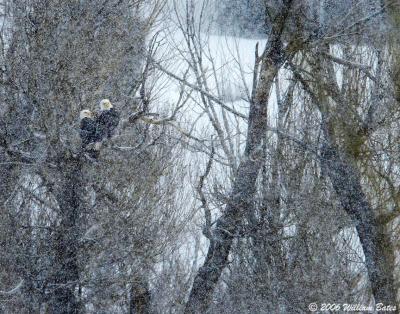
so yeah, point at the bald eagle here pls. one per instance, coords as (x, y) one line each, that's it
(108, 119)
(89, 132)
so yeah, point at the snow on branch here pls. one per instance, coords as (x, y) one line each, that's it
(13, 290)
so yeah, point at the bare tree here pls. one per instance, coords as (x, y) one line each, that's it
(272, 58)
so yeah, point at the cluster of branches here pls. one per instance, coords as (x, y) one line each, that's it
(297, 198)
(78, 236)
(305, 182)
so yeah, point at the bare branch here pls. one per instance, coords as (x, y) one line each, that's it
(13, 290)
(203, 199)
(208, 95)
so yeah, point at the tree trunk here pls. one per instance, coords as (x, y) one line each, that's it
(375, 241)
(66, 277)
(346, 181)
(140, 302)
(244, 185)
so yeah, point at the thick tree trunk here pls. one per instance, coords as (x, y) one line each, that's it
(346, 181)
(244, 186)
(379, 259)
(7, 180)
(223, 234)
(66, 278)
(140, 302)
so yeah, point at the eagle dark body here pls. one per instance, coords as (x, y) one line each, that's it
(89, 132)
(107, 122)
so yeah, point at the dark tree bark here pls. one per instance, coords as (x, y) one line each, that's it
(379, 259)
(346, 181)
(7, 179)
(140, 302)
(66, 278)
(244, 186)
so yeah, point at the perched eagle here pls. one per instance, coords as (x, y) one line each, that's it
(108, 119)
(89, 132)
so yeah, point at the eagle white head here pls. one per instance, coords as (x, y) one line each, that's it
(105, 104)
(86, 114)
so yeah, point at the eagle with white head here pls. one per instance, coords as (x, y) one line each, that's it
(108, 119)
